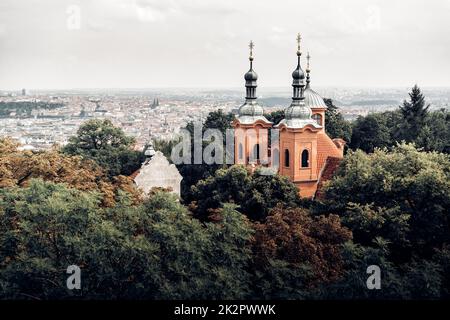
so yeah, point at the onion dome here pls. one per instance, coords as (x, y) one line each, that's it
(298, 111)
(251, 77)
(298, 114)
(298, 75)
(251, 110)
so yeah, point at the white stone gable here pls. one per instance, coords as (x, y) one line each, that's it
(159, 173)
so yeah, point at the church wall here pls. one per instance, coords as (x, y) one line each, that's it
(307, 189)
(296, 142)
(248, 137)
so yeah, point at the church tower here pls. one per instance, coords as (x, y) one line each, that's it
(299, 137)
(250, 126)
(303, 151)
(313, 100)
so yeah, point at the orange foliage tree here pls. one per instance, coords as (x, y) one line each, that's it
(299, 239)
(19, 167)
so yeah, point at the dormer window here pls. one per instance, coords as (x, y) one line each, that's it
(318, 118)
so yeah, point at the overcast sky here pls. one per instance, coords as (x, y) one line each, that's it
(204, 43)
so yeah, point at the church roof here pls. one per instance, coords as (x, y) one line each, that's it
(298, 116)
(252, 119)
(325, 148)
(330, 167)
(250, 112)
(313, 100)
(298, 123)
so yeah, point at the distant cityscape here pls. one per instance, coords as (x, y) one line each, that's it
(160, 113)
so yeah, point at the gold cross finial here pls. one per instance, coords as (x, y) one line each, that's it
(299, 38)
(307, 63)
(251, 46)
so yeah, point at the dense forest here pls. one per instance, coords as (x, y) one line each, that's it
(233, 234)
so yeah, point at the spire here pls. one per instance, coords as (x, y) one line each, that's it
(308, 70)
(250, 77)
(299, 53)
(251, 111)
(298, 114)
(298, 75)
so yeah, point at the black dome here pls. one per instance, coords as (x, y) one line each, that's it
(298, 74)
(251, 75)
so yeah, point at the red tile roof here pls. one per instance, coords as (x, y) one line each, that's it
(326, 148)
(331, 165)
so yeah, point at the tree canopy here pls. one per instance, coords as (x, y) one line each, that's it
(152, 251)
(254, 194)
(292, 243)
(239, 234)
(18, 168)
(192, 173)
(402, 196)
(107, 145)
(412, 122)
(335, 124)
(414, 113)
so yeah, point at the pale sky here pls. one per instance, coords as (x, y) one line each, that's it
(204, 43)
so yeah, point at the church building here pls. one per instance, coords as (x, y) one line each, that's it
(304, 152)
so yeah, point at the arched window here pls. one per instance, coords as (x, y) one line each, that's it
(305, 159)
(241, 151)
(256, 152)
(275, 158)
(318, 118)
(286, 158)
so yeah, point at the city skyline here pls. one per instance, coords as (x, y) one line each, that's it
(203, 44)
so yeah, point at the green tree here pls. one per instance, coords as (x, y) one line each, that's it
(192, 173)
(352, 285)
(435, 133)
(151, 251)
(219, 120)
(255, 194)
(405, 196)
(102, 142)
(414, 113)
(165, 146)
(335, 124)
(418, 279)
(370, 132)
(275, 116)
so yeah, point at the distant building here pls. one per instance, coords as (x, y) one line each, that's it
(304, 153)
(157, 172)
(24, 92)
(155, 103)
(82, 112)
(98, 108)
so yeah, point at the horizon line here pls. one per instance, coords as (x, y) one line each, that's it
(237, 88)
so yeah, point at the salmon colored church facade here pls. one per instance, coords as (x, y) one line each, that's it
(303, 151)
